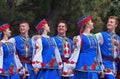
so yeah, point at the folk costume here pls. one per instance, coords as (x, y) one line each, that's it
(47, 56)
(86, 56)
(8, 58)
(24, 48)
(65, 46)
(110, 49)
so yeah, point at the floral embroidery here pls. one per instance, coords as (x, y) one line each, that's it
(2, 70)
(85, 67)
(66, 48)
(94, 66)
(115, 43)
(18, 70)
(108, 70)
(51, 64)
(10, 71)
(64, 73)
(116, 51)
(43, 64)
(72, 62)
(60, 63)
(36, 47)
(26, 72)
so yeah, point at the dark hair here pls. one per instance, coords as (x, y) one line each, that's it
(23, 21)
(62, 21)
(114, 17)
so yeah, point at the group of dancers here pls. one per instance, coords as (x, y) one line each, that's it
(87, 56)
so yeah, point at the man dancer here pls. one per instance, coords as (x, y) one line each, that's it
(65, 45)
(110, 47)
(24, 50)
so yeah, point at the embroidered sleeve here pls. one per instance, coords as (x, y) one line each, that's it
(58, 57)
(74, 57)
(76, 51)
(1, 60)
(99, 56)
(12, 40)
(99, 38)
(37, 57)
(20, 68)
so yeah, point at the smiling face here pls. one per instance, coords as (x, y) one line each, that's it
(62, 29)
(111, 24)
(24, 28)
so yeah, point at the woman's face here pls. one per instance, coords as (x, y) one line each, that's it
(7, 32)
(90, 24)
(46, 28)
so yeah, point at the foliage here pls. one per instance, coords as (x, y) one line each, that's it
(53, 10)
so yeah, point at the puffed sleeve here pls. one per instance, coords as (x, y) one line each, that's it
(12, 40)
(37, 57)
(99, 38)
(1, 60)
(20, 68)
(99, 56)
(58, 57)
(75, 54)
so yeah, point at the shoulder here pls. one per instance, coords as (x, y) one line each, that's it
(54, 37)
(16, 36)
(118, 36)
(36, 37)
(69, 39)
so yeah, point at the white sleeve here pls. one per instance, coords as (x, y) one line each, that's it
(99, 56)
(19, 65)
(57, 55)
(37, 59)
(76, 50)
(99, 38)
(74, 57)
(1, 60)
(12, 40)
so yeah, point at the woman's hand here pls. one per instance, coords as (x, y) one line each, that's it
(102, 74)
(36, 70)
